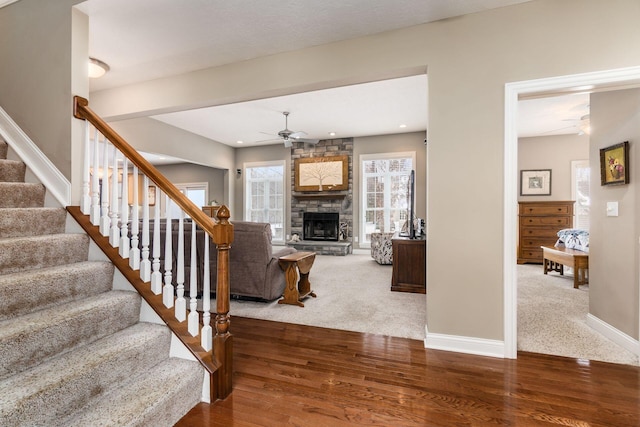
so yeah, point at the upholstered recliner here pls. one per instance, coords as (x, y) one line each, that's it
(381, 249)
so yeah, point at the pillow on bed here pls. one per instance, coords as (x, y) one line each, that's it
(574, 238)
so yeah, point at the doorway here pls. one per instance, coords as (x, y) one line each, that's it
(601, 80)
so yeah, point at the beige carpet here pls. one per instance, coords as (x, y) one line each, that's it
(552, 319)
(354, 294)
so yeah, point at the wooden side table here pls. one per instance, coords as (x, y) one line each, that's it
(303, 261)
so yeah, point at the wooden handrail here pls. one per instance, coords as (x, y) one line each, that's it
(220, 361)
(82, 111)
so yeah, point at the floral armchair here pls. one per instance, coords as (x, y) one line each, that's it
(381, 249)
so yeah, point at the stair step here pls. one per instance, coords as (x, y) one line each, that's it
(28, 253)
(20, 222)
(21, 195)
(3, 149)
(28, 340)
(65, 384)
(147, 401)
(28, 291)
(12, 171)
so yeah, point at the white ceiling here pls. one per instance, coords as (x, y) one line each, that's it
(149, 39)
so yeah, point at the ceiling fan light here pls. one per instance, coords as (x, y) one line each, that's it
(97, 68)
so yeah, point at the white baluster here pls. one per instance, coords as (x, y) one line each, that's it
(125, 245)
(114, 235)
(156, 276)
(206, 337)
(85, 204)
(95, 187)
(105, 221)
(181, 304)
(167, 290)
(193, 323)
(145, 264)
(134, 254)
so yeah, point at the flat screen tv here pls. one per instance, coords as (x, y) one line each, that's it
(410, 231)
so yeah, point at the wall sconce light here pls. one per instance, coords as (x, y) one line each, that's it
(97, 68)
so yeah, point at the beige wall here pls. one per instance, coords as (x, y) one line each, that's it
(469, 60)
(185, 173)
(613, 244)
(37, 73)
(555, 153)
(404, 142)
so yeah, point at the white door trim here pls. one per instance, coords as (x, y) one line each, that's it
(571, 83)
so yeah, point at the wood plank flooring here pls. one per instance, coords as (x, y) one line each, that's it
(297, 375)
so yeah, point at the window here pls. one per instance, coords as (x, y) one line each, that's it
(195, 191)
(264, 195)
(580, 176)
(384, 203)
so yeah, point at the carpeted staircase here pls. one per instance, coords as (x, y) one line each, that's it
(72, 350)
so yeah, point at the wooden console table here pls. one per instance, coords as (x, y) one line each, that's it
(409, 265)
(554, 259)
(303, 261)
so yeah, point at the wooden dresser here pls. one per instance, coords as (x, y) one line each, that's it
(539, 223)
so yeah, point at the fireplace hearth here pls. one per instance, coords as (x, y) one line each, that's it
(320, 226)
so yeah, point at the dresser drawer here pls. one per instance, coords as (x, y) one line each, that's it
(559, 221)
(528, 232)
(536, 242)
(531, 254)
(560, 209)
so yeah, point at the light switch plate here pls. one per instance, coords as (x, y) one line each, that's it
(612, 208)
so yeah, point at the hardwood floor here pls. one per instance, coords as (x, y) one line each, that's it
(296, 375)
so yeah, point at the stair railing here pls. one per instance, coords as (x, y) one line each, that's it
(109, 164)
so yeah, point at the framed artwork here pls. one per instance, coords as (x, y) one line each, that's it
(535, 182)
(152, 195)
(614, 164)
(322, 173)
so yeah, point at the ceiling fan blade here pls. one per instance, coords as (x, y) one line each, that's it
(307, 140)
(297, 135)
(262, 141)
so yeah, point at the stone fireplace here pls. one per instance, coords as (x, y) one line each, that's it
(320, 226)
(337, 238)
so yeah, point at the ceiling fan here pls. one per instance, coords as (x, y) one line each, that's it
(289, 136)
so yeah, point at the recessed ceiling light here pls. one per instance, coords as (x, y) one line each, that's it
(403, 125)
(239, 142)
(97, 68)
(332, 134)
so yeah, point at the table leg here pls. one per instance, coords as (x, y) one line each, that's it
(291, 295)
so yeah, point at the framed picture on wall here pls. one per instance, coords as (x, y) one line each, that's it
(535, 182)
(614, 164)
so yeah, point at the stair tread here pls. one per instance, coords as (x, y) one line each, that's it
(54, 285)
(21, 194)
(12, 171)
(20, 222)
(28, 252)
(59, 386)
(146, 400)
(27, 340)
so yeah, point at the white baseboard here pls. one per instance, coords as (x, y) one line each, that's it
(468, 345)
(615, 335)
(39, 164)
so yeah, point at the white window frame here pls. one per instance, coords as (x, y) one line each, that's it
(575, 165)
(245, 192)
(183, 188)
(363, 193)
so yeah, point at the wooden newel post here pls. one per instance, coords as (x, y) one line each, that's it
(223, 341)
